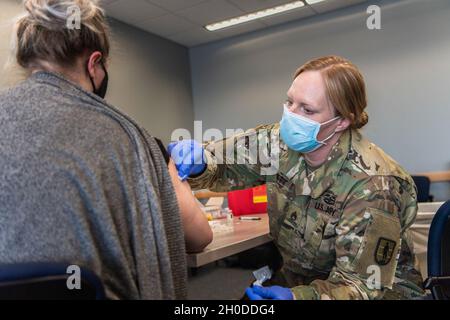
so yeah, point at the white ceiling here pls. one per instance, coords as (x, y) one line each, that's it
(183, 21)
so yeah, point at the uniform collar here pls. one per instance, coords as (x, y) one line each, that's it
(320, 180)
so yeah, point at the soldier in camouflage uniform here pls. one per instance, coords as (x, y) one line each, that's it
(332, 224)
(342, 227)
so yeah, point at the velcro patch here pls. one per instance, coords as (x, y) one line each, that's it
(384, 251)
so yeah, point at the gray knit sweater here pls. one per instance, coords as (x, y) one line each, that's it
(81, 183)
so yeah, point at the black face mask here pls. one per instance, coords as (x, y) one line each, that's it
(101, 91)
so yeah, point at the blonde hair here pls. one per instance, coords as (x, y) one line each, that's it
(42, 33)
(345, 87)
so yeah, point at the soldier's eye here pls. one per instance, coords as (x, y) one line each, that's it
(306, 110)
(288, 103)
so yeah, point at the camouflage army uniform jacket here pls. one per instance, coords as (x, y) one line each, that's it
(342, 228)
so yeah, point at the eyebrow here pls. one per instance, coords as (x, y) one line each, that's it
(303, 103)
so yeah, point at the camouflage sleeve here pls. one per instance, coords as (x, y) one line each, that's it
(241, 161)
(368, 243)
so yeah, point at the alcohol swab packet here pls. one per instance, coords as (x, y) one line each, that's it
(262, 275)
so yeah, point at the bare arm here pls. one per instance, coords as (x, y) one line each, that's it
(197, 232)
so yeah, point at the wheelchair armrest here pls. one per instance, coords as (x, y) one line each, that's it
(434, 281)
(439, 287)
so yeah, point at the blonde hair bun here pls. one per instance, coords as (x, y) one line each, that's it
(43, 33)
(55, 13)
(362, 121)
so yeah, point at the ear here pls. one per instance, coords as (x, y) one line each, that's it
(343, 125)
(93, 61)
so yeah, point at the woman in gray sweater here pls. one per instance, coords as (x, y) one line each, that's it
(81, 182)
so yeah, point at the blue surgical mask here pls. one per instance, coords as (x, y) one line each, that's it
(300, 133)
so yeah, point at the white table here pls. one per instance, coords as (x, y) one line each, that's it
(246, 235)
(420, 231)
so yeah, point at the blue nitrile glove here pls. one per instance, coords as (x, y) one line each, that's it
(269, 293)
(189, 158)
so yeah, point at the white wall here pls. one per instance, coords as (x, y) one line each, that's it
(149, 76)
(151, 80)
(242, 82)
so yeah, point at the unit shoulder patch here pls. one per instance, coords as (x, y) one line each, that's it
(384, 251)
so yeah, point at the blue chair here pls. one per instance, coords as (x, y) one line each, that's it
(423, 188)
(439, 254)
(46, 281)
